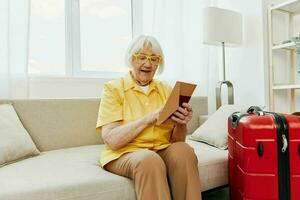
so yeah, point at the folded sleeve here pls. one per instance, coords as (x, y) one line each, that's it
(111, 106)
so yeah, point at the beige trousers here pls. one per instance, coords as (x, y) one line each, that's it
(171, 173)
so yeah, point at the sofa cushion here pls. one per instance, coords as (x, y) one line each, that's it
(212, 165)
(74, 173)
(214, 130)
(15, 142)
(71, 173)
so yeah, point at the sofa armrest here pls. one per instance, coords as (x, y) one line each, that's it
(202, 119)
(194, 124)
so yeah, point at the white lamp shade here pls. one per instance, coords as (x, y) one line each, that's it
(221, 25)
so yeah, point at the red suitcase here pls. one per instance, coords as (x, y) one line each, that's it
(264, 156)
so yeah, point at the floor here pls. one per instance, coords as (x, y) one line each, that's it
(219, 194)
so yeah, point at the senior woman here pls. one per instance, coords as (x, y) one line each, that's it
(157, 159)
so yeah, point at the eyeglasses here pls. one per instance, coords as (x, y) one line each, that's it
(142, 58)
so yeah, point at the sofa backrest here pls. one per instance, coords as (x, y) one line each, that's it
(61, 123)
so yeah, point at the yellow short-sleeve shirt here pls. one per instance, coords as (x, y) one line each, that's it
(123, 100)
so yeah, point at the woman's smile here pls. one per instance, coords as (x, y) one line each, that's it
(146, 70)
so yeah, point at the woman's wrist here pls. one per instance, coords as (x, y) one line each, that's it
(179, 132)
(180, 126)
(149, 120)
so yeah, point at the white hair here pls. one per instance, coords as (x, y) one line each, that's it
(138, 43)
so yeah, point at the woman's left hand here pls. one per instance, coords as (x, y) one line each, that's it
(183, 114)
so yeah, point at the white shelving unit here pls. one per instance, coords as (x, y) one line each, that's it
(287, 46)
(291, 6)
(284, 87)
(287, 90)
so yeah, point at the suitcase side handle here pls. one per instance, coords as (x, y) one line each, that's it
(235, 118)
(284, 144)
(260, 149)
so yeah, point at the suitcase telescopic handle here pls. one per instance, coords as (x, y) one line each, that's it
(255, 110)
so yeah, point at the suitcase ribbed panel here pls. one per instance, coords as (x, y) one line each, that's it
(256, 162)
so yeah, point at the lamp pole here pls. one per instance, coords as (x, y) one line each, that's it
(215, 20)
(229, 85)
(223, 52)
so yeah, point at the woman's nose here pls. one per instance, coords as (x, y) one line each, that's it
(148, 63)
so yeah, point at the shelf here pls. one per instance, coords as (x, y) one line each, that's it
(283, 72)
(288, 86)
(292, 6)
(288, 46)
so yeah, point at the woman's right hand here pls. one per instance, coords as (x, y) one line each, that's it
(152, 117)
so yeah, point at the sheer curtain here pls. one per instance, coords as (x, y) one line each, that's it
(178, 26)
(14, 23)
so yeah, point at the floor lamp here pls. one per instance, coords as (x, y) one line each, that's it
(222, 27)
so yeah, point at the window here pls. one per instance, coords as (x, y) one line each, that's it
(74, 37)
(105, 31)
(47, 37)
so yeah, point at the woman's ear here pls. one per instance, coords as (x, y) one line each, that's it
(132, 59)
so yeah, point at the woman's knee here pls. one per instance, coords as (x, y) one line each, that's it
(182, 151)
(150, 161)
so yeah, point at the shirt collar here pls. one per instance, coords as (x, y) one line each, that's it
(129, 83)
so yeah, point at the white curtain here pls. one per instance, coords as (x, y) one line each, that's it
(178, 26)
(14, 23)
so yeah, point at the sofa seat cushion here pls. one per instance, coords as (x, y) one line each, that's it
(64, 174)
(212, 165)
(74, 173)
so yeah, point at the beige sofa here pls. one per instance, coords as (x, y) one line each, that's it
(68, 167)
